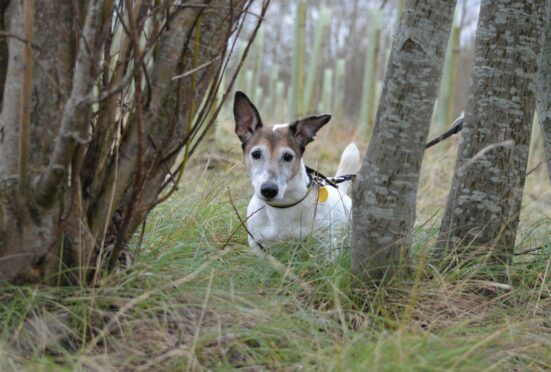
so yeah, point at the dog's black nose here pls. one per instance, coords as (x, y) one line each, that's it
(269, 190)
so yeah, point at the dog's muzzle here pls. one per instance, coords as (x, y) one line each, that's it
(269, 190)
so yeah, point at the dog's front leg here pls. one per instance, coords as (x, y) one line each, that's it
(256, 248)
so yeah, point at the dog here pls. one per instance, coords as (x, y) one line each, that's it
(286, 202)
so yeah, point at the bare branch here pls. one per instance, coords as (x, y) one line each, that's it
(198, 68)
(25, 113)
(24, 40)
(482, 152)
(134, 37)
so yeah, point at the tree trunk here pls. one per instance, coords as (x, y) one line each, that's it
(107, 121)
(485, 199)
(543, 83)
(386, 188)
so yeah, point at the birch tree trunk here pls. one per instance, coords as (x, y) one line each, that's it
(483, 207)
(543, 83)
(386, 187)
(96, 107)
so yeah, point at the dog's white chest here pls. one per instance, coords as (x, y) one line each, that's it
(327, 215)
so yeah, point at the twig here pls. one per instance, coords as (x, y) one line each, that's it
(198, 68)
(25, 113)
(19, 38)
(109, 213)
(482, 152)
(112, 90)
(140, 239)
(528, 251)
(136, 187)
(246, 11)
(535, 168)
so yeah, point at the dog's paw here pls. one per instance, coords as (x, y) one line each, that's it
(257, 251)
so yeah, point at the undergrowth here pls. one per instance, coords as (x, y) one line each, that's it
(195, 298)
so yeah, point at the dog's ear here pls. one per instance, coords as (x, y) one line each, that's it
(247, 119)
(305, 130)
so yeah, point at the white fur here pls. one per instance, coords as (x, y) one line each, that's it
(329, 218)
(350, 163)
(277, 126)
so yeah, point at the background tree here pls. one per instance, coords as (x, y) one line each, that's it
(386, 187)
(99, 99)
(351, 23)
(543, 81)
(484, 203)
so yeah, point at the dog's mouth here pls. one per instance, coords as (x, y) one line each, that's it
(266, 199)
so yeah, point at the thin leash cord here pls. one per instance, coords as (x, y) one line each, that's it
(333, 181)
(456, 128)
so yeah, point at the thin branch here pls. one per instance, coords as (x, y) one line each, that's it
(533, 251)
(535, 168)
(24, 40)
(115, 89)
(136, 187)
(205, 6)
(481, 153)
(25, 114)
(111, 203)
(198, 68)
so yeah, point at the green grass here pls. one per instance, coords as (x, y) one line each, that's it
(195, 298)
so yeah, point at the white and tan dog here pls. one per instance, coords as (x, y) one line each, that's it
(286, 203)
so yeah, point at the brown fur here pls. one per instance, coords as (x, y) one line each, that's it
(274, 140)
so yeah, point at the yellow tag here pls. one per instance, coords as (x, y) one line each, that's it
(323, 194)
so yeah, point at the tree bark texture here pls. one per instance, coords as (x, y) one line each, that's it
(386, 187)
(543, 84)
(97, 164)
(484, 203)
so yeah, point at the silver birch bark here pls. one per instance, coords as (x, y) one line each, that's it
(543, 84)
(386, 187)
(483, 207)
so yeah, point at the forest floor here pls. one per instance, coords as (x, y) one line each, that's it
(195, 298)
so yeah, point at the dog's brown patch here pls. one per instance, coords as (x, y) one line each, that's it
(275, 140)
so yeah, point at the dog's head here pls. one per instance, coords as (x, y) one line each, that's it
(273, 153)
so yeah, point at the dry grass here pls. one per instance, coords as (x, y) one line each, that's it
(197, 300)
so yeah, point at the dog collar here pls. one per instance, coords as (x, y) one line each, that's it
(283, 206)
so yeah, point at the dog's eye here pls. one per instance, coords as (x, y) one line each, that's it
(256, 154)
(287, 157)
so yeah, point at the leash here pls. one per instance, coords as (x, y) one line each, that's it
(318, 179)
(456, 128)
(457, 125)
(323, 180)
